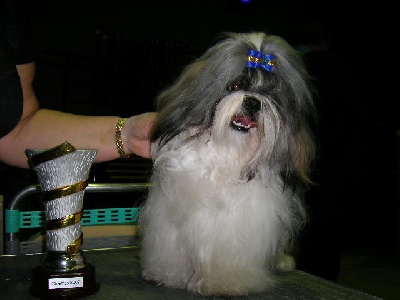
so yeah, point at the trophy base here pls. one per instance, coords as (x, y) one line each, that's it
(50, 284)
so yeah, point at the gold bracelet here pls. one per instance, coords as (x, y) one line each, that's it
(118, 140)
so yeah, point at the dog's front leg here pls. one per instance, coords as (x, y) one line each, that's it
(163, 259)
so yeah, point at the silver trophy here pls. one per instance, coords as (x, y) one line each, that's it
(63, 173)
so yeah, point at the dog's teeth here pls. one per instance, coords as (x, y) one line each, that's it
(241, 125)
(244, 122)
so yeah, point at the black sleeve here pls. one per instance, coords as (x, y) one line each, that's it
(16, 47)
(11, 101)
(25, 42)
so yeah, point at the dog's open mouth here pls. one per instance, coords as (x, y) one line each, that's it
(243, 123)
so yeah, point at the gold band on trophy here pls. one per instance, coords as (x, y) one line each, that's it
(64, 191)
(51, 154)
(64, 221)
(75, 246)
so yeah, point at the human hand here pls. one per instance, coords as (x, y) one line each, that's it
(136, 134)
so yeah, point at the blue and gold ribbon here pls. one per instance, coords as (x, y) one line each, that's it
(259, 60)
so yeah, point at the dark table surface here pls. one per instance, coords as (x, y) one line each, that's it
(117, 272)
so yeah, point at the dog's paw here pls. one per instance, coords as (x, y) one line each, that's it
(286, 263)
(169, 279)
(231, 284)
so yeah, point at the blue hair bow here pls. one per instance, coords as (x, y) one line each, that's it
(256, 60)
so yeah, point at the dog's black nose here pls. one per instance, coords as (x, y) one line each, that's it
(252, 104)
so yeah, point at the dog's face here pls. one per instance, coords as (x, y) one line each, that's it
(246, 122)
(258, 115)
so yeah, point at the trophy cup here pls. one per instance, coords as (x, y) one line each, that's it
(63, 173)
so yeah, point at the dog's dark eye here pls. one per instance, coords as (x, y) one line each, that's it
(240, 83)
(235, 87)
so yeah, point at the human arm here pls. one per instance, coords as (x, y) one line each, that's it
(43, 129)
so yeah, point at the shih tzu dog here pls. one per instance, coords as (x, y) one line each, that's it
(232, 151)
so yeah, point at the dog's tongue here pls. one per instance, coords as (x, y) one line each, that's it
(245, 121)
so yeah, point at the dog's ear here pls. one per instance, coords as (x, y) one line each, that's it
(295, 98)
(176, 103)
(303, 155)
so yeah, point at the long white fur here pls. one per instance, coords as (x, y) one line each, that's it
(208, 228)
